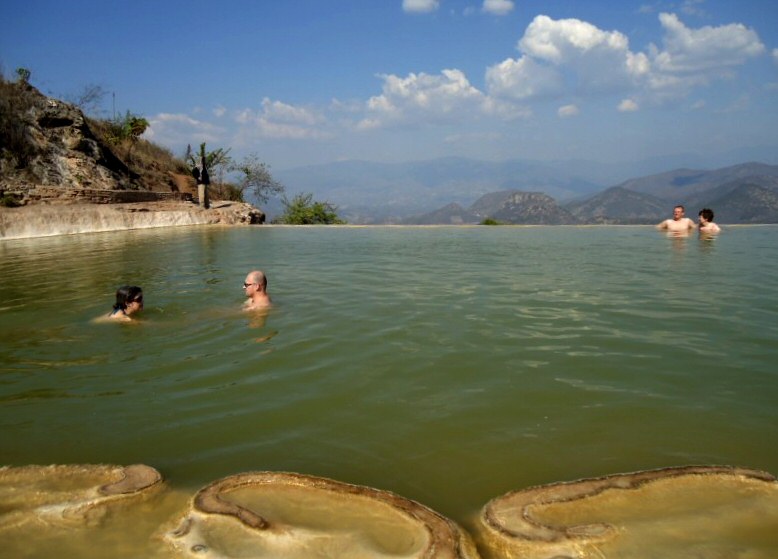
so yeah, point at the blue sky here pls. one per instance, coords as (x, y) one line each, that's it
(310, 81)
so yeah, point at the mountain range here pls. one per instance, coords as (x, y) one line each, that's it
(453, 189)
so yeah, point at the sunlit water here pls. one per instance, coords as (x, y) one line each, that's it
(447, 364)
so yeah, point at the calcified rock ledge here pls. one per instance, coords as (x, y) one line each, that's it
(638, 514)
(84, 510)
(45, 220)
(67, 494)
(272, 514)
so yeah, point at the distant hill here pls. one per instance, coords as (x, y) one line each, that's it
(368, 192)
(507, 206)
(736, 194)
(452, 214)
(743, 193)
(619, 205)
(389, 192)
(687, 185)
(533, 208)
(748, 202)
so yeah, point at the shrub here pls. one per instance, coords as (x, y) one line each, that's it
(9, 201)
(303, 210)
(16, 147)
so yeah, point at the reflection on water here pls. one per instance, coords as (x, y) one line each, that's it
(408, 359)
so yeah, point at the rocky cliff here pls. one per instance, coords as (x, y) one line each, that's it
(57, 165)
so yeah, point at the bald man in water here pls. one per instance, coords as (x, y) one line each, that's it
(679, 223)
(255, 287)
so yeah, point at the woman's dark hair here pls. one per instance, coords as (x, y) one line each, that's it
(125, 295)
(707, 214)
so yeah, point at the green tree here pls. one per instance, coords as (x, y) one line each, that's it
(23, 74)
(303, 210)
(219, 163)
(255, 176)
(132, 128)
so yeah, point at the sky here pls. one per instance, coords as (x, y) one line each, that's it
(301, 82)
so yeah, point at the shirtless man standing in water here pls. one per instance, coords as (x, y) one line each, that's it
(255, 287)
(679, 223)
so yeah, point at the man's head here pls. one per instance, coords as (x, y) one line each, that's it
(678, 212)
(255, 282)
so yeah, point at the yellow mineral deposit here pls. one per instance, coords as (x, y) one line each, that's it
(96, 511)
(293, 516)
(676, 512)
(73, 493)
(85, 511)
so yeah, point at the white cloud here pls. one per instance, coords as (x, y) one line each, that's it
(278, 111)
(444, 97)
(705, 50)
(558, 59)
(522, 79)
(564, 40)
(775, 55)
(281, 120)
(596, 60)
(219, 111)
(692, 7)
(179, 129)
(498, 7)
(420, 6)
(567, 111)
(574, 56)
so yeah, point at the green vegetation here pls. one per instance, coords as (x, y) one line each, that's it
(252, 174)
(147, 158)
(303, 210)
(490, 221)
(24, 75)
(255, 176)
(9, 201)
(16, 149)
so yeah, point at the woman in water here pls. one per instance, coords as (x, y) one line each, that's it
(706, 222)
(129, 300)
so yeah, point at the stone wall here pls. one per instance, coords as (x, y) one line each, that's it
(99, 196)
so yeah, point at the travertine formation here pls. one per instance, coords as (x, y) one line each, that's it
(270, 514)
(94, 511)
(630, 515)
(79, 494)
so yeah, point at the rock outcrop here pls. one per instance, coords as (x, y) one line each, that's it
(56, 147)
(55, 163)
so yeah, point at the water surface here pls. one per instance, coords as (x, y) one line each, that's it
(447, 364)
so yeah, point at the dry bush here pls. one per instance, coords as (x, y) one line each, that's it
(16, 147)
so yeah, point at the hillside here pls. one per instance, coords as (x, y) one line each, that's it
(47, 142)
(507, 206)
(71, 174)
(619, 205)
(452, 214)
(684, 185)
(737, 195)
(370, 192)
